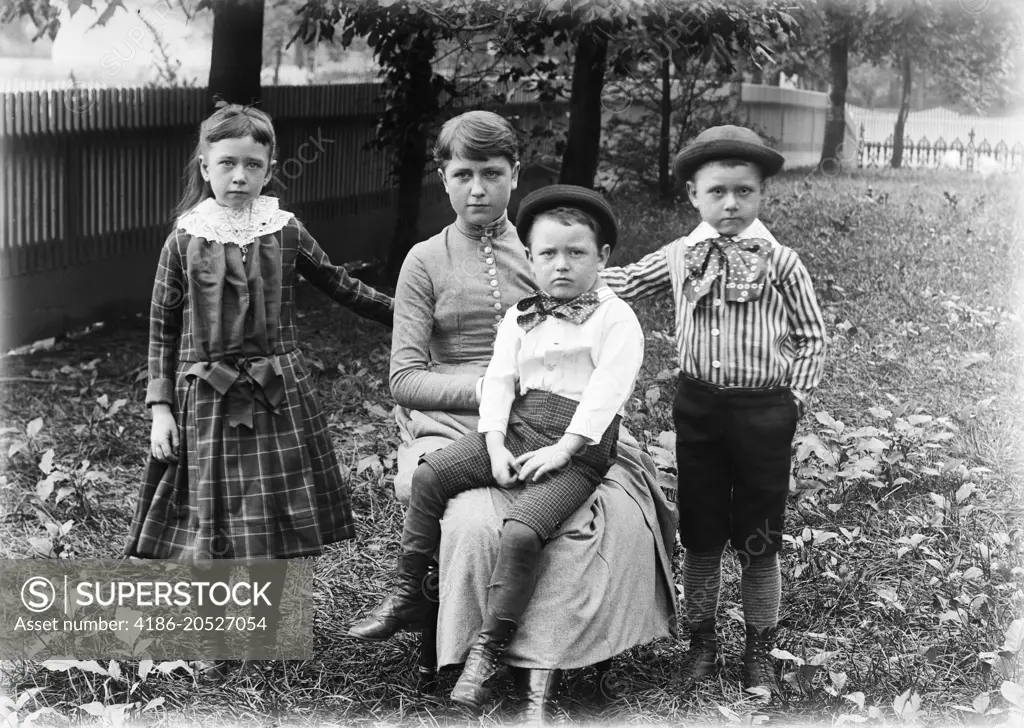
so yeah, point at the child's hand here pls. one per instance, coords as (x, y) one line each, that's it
(504, 468)
(164, 436)
(542, 462)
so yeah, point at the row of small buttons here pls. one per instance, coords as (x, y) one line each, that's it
(489, 260)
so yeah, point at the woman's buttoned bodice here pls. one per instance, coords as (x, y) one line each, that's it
(452, 293)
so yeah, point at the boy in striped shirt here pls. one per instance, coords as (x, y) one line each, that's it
(751, 349)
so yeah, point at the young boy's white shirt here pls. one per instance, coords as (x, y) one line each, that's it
(595, 363)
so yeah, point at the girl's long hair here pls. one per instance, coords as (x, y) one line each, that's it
(232, 121)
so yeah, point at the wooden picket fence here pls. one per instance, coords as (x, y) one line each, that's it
(998, 157)
(89, 177)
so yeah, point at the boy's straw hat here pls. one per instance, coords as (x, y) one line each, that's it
(552, 196)
(723, 142)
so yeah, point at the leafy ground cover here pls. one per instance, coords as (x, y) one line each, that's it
(902, 569)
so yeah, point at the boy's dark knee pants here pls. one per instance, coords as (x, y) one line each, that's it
(733, 452)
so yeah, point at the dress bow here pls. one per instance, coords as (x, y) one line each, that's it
(538, 306)
(745, 263)
(244, 381)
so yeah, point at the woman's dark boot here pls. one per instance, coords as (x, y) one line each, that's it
(758, 666)
(474, 686)
(537, 691)
(405, 608)
(701, 659)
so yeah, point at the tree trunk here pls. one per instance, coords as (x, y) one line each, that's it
(410, 189)
(901, 117)
(237, 55)
(665, 138)
(839, 58)
(412, 151)
(583, 145)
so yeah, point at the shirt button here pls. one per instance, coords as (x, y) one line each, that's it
(494, 283)
(487, 248)
(717, 302)
(492, 272)
(497, 294)
(497, 307)
(489, 261)
(716, 364)
(715, 332)
(497, 318)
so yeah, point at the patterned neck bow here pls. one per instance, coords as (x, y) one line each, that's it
(537, 307)
(745, 262)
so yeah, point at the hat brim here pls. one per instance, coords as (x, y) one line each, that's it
(690, 159)
(553, 196)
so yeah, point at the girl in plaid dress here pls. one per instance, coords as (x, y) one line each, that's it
(242, 465)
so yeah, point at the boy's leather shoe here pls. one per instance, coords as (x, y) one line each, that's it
(758, 664)
(701, 659)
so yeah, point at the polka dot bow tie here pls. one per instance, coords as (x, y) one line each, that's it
(745, 263)
(537, 307)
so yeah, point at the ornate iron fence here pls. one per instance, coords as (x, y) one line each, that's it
(985, 156)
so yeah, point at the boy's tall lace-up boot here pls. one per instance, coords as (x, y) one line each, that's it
(512, 584)
(758, 664)
(474, 686)
(405, 608)
(537, 691)
(701, 659)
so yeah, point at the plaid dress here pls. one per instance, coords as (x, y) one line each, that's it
(257, 475)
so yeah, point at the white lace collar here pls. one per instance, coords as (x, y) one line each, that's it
(226, 225)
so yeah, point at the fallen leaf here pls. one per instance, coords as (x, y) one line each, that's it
(94, 708)
(1013, 693)
(46, 461)
(784, 655)
(856, 698)
(973, 573)
(144, 668)
(1013, 638)
(838, 679)
(34, 427)
(973, 357)
(83, 665)
(980, 703)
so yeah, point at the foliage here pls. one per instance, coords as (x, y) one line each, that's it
(117, 694)
(45, 14)
(420, 47)
(632, 138)
(967, 54)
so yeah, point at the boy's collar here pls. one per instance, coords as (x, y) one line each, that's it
(756, 229)
(493, 230)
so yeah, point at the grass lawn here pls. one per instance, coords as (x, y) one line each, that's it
(902, 569)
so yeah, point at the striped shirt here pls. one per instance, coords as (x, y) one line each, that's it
(778, 340)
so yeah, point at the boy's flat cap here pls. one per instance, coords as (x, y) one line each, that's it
(552, 196)
(724, 142)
